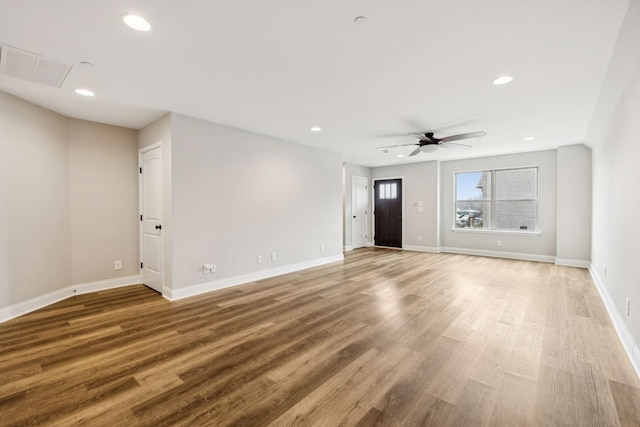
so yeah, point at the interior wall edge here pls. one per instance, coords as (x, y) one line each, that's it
(499, 254)
(22, 308)
(629, 344)
(214, 285)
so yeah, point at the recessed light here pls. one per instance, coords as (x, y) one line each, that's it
(399, 155)
(502, 80)
(360, 19)
(136, 22)
(84, 92)
(529, 138)
(316, 129)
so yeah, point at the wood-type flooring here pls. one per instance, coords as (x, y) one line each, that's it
(385, 338)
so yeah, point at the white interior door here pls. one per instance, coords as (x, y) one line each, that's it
(151, 254)
(359, 207)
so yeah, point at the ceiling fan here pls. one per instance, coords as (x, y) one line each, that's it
(428, 143)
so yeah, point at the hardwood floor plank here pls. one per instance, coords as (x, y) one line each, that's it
(595, 404)
(555, 403)
(527, 351)
(385, 338)
(474, 405)
(514, 403)
(448, 384)
(627, 401)
(375, 418)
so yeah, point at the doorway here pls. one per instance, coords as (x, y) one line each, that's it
(151, 242)
(388, 212)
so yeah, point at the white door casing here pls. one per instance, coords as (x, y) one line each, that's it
(151, 242)
(359, 207)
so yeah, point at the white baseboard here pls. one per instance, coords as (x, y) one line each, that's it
(348, 248)
(201, 288)
(33, 304)
(428, 249)
(500, 254)
(36, 303)
(102, 285)
(573, 263)
(629, 344)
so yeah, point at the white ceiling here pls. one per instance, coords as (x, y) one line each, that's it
(279, 67)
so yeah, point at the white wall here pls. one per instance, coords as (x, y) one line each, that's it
(68, 205)
(614, 136)
(573, 243)
(420, 183)
(540, 246)
(237, 195)
(349, 172)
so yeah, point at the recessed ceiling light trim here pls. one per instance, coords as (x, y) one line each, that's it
(315, 129)
(502, 80)
(84, 92)
(529, 138)
(136, 22)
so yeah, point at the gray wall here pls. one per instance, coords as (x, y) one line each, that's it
(237, 195)
(537, 246)
(68, 201)
(573, 243)
(103, 200)
(35, 248)
(420, 183)
(564, 197)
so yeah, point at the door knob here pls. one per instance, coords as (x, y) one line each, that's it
(158, 227)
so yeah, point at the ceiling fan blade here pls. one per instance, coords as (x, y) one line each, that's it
(420, 136)
(463, 136)
(429, 148)
(453, 145)
(416, 151)
(393, 146)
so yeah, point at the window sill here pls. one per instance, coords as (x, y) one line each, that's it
(500, 232)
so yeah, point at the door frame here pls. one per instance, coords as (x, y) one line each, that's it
(141, 151)
(373, 208)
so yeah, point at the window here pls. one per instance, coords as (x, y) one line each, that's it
(504, 199)
(388, 191)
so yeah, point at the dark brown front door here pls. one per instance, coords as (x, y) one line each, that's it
(388, 213)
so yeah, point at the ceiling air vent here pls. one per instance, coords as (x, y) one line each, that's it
(25, 65)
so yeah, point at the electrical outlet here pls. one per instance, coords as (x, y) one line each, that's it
(321, 248)
(499, 243)
(208, 268)
(273, 256)
(627, 306)
(419, 238)
(117, 265)
(259, 259)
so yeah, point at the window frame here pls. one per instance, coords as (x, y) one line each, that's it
(492, 204)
